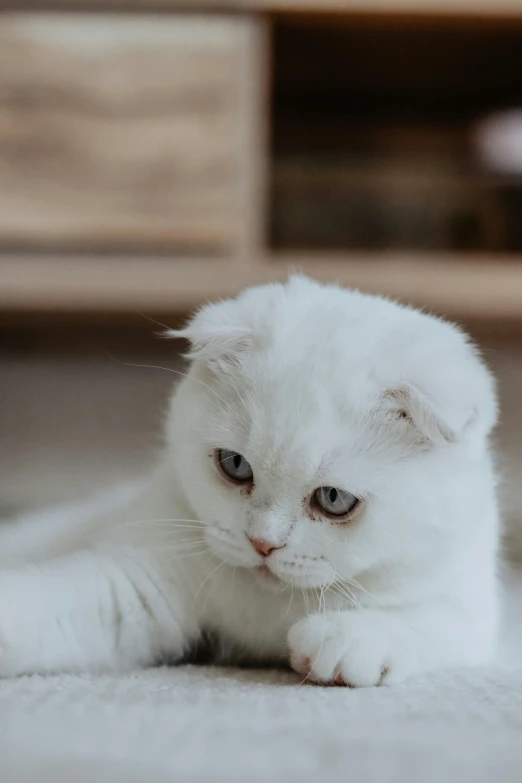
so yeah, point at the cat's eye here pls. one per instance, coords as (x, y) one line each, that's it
(234, 466)
(335, 502)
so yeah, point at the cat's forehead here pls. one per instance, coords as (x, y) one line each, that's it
(289, 418)
(298, 437)
(312, 382)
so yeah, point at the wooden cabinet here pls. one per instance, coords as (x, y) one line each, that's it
(123, 133)
(154, 159)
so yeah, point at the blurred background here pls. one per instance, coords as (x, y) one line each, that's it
(154, 156)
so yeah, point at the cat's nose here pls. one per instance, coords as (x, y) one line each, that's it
(262, 546)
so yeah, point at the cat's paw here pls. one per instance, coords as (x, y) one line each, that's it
(352, 648)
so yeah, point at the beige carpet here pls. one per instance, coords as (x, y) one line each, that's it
(205, 725)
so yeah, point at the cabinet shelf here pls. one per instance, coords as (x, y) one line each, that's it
(461, 286)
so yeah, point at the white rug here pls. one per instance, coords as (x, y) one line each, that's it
(203, 724)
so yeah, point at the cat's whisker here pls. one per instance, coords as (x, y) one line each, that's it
(282, 590)
(358, 586)
(154, 321)
(197, 523)
(379, 603)
(290, 602)
(219, 565)
(305, 599)
(347, 594)
(183, 537)
(339, 586)
(183, 545)
(183, 375)
(175, 551)
(187, 537)
(185, 555)
(236, 389)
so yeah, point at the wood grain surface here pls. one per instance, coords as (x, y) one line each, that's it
(122, 133)
(459, 285)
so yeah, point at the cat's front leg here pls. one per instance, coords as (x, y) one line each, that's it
(92, 610)
(365, 647)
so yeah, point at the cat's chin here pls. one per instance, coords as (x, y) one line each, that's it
(271, 581)
(265, 578)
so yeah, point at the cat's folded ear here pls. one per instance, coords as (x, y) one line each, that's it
(455, 406)
(424, 420)
(217, 336)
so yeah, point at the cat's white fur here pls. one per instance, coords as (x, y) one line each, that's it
(315, 386)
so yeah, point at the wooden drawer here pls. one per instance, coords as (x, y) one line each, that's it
(122, 132)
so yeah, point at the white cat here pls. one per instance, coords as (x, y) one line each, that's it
(326, 497)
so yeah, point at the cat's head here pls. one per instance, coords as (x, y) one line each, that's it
(323, 432)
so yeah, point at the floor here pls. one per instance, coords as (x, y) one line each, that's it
(216, 725)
